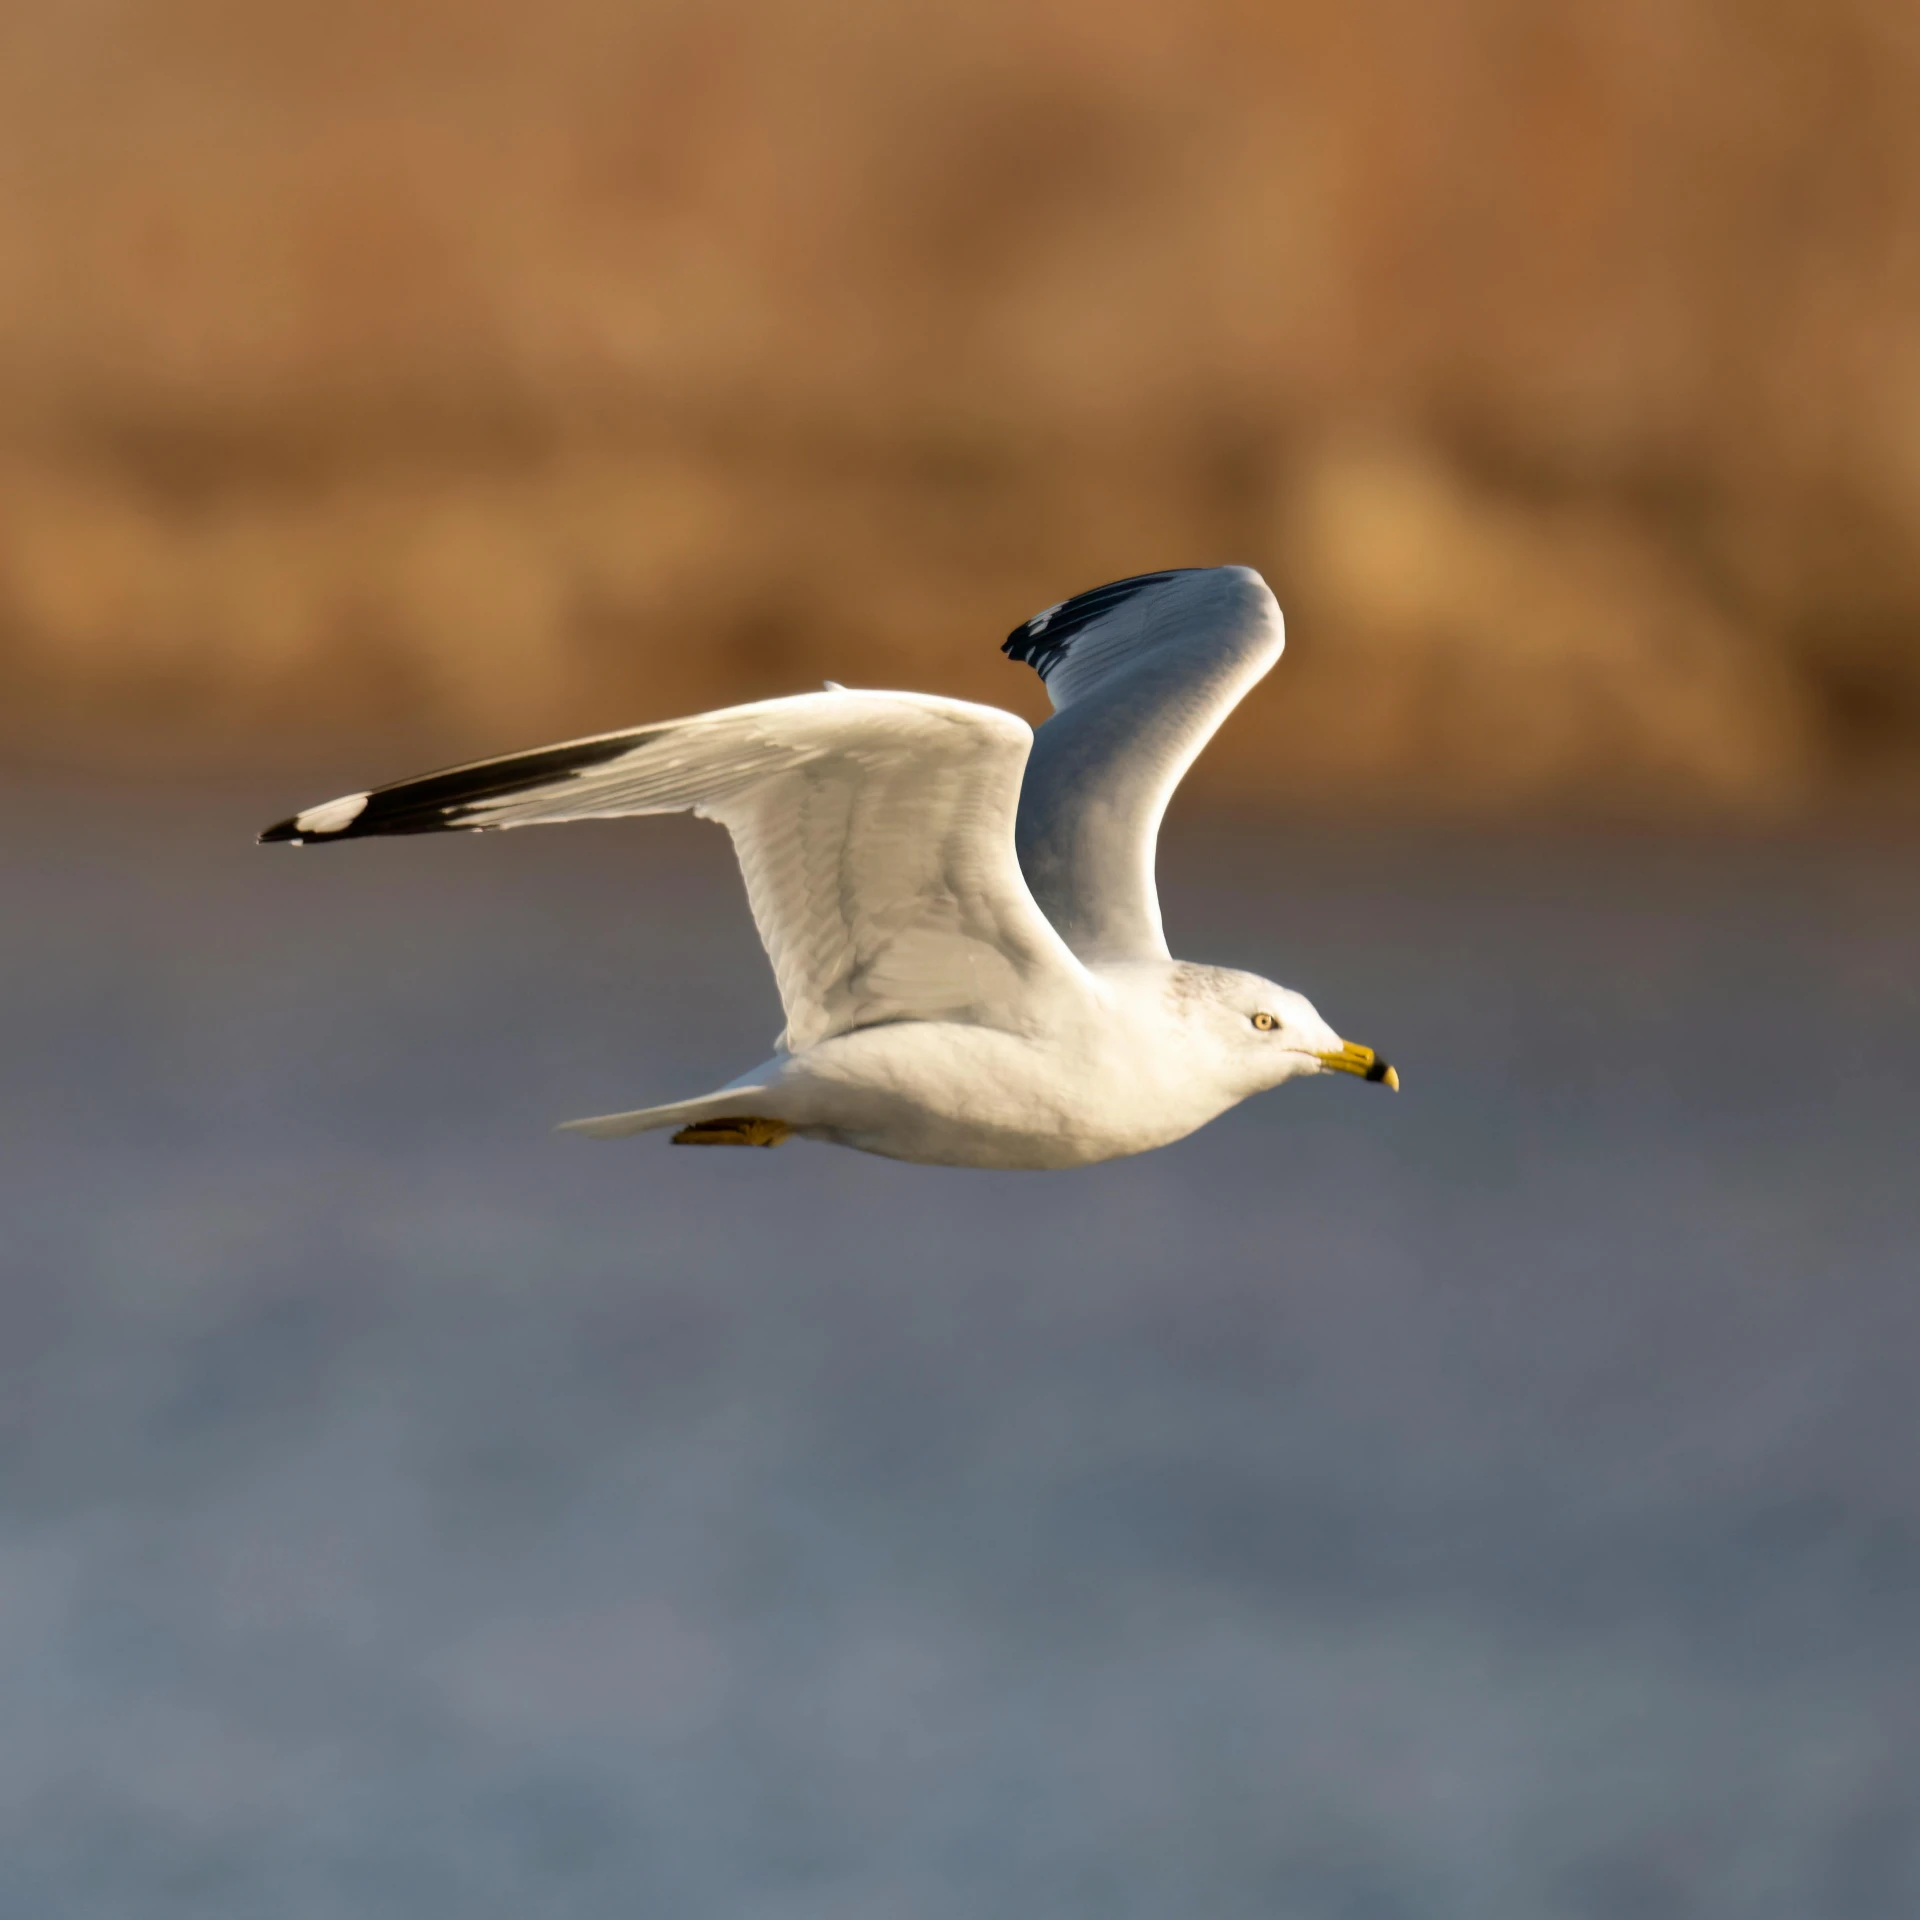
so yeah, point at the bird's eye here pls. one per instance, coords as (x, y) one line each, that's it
(1265, 1022)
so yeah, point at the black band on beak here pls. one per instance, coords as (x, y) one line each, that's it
(1378, 1071)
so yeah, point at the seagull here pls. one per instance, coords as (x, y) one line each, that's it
(960, 910)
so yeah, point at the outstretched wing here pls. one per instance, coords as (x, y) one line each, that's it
(1141, 673)
(875, 831)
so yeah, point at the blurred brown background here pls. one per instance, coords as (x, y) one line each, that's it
(381, 379)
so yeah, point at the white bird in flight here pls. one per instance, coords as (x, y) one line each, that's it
(960, 911)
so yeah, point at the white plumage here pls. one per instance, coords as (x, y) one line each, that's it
(961, 915)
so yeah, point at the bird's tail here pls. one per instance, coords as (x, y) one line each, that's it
(726, 1104)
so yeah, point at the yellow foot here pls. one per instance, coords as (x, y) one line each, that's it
(744, 1131)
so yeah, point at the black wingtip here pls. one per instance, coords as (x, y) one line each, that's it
(453, 799)
(1042, 641)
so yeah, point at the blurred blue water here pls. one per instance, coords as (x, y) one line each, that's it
(1500, 1502)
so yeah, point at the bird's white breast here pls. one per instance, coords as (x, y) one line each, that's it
(1110, 1076)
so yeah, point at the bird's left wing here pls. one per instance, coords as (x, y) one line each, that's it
(1141, 672)
(875, 832)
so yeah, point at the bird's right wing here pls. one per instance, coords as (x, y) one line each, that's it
(1141, 673)
(875, 832)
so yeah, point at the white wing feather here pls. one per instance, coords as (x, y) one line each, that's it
(875, 832)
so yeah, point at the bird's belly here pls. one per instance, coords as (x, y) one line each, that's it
(969, 1096)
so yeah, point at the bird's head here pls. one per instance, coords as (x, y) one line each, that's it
(1264, 1033)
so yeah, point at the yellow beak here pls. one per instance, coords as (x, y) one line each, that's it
(1351, 1057)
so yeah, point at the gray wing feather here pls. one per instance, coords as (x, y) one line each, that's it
(1141, 674)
